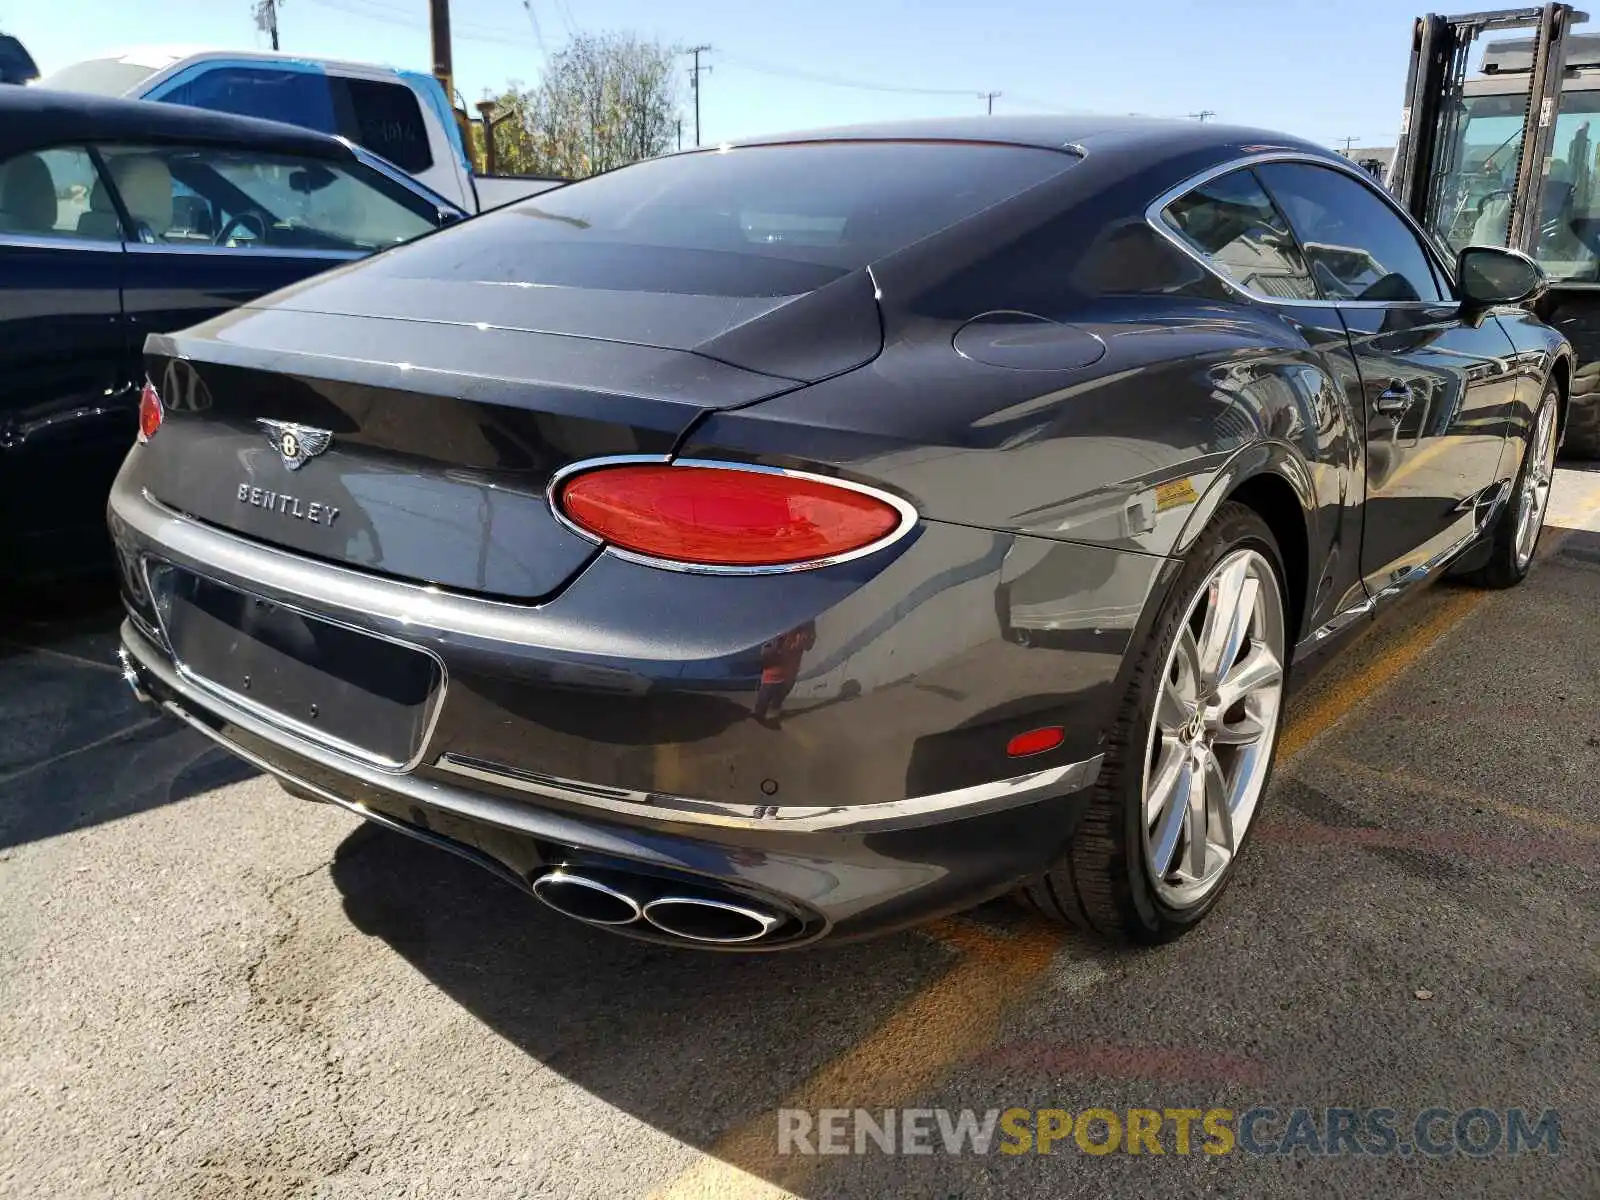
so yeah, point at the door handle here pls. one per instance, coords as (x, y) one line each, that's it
(1394, 399)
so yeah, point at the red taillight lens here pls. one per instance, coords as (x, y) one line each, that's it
(726, 516)
(1036, 741)
(149, 413)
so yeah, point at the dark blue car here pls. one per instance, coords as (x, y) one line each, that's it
(119, 219)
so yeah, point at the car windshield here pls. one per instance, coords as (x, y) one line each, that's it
(1475, 207)
(102, 76)
(756, 221)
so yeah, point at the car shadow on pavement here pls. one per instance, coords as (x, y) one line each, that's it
(76, 748)
(690, 1042)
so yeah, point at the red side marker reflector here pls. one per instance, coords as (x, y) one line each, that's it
(1036, 741)
(149, 413)
(719, 516)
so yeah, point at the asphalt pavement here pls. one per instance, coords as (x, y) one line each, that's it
(210, 989)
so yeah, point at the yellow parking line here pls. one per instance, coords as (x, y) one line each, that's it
(959, 1012)
(1341, 698)
(1538, 817)
(951, 1018)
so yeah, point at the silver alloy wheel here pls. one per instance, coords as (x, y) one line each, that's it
(1535, 497)
(1211, 738)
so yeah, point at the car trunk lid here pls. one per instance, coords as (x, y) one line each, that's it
(416, 449)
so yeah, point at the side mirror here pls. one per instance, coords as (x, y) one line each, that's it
(447, 216)
(1492, 275)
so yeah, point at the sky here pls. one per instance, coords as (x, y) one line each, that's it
(1323, 69)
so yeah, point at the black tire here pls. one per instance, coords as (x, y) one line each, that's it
(1102, 883)
(1502, 568)
(1581, 438)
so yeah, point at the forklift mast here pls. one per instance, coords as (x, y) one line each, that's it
(1431, 120)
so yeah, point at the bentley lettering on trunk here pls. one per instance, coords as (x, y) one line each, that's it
(290, 506)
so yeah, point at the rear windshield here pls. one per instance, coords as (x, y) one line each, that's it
(756, 221)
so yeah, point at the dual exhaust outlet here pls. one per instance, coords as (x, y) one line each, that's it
(681, 915)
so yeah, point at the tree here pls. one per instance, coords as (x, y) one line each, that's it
(606, 100)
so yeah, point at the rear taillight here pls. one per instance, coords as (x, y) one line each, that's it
(149, 413)
(721, 516)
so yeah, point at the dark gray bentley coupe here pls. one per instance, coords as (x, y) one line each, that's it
(798, 539)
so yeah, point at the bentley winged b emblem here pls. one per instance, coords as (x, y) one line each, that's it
(295, 442)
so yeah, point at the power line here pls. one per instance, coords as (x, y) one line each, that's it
(1348, 142)
(538, 34)
(765, 68)
(1048, 106)
(566, 18)
(389, 15)
(1203, 114)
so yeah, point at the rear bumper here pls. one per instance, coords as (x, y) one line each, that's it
(858, 877)
(574, 732)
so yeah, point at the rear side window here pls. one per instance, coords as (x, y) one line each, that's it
(383, 117)
(1357, 246)
(756, 221)
(1233, 222)
(56, 194)
(297, 97)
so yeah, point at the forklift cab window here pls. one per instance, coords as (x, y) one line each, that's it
(1476, 197)
(1568, 244)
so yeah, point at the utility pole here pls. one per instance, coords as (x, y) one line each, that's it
(266, 15)
(1348, 142)
(443, 67)
(991, 97)
(680, 133)
(1203, 114)
(694, 84)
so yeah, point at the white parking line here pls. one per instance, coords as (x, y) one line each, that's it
(94, 745)
(74, 659)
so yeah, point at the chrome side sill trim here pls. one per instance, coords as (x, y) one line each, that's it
(856, 818)
(1406, 580)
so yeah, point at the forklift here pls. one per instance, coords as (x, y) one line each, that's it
(1511, 157)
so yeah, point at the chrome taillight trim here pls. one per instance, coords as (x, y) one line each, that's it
(907, 513)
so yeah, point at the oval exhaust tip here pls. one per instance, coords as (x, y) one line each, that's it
(585, 899)
(716, 922)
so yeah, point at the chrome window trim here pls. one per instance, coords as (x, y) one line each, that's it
(382, 166)
(35, 241)
(1153, 211)
(285, 724)
(908, 514)
(211, 249)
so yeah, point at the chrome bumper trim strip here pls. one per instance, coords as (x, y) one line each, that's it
(575, 800)
(854, 818)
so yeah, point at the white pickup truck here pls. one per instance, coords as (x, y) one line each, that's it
(403, 116)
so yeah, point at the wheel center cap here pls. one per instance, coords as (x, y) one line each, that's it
(1196, 730)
